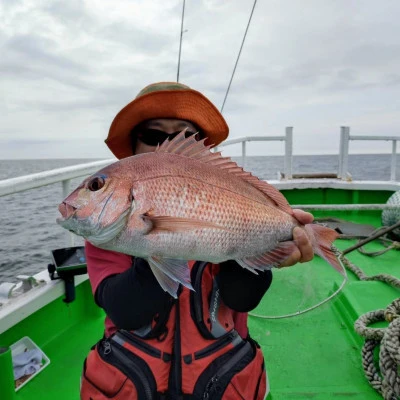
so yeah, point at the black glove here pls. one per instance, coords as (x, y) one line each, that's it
(240, 289)
(131, 299)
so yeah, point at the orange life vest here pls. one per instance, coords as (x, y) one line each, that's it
(192, 351)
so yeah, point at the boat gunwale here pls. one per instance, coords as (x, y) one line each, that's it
(21, 307)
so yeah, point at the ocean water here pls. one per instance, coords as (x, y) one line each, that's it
(27, 219)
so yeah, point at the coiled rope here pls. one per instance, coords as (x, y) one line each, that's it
(386, 381)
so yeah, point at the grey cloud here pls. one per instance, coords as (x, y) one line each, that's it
(356, 84)
(9, 4)
(38, 49)
(30, 142)
(347, 75)
(373, 55)
(137, 39)
(67, 106)
(75, 14)
(8, 69)
(32, 57)
(99, 99)
(72, 12)
(298, 62)
(322, 74)
(35, 72)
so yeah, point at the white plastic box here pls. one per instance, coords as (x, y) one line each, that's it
(23, 345)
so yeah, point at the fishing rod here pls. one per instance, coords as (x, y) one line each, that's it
(237, 59)
(371, 238)
(180, 41)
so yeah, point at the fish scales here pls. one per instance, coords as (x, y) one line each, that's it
(247, 222)
(174, 165)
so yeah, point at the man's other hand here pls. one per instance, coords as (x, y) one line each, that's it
(304, 251)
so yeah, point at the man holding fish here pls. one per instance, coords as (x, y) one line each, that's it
(180, 243)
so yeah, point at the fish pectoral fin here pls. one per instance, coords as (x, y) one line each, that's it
(176, 224)
(170, 273)
(268, 260)
(167, 284)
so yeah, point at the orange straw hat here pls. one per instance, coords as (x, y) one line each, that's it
(166, 100)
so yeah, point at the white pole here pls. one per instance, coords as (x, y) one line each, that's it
(288, 152)
(341, 151)
(393, 169)
(66, 185)
(345, 160)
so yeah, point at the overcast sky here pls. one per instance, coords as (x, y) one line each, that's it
(67, 67)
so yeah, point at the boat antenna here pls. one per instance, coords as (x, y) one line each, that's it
(180, 41)
(237, 60)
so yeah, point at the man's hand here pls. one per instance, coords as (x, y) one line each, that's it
(304, 251)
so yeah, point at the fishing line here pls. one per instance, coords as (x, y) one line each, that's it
(316, 305)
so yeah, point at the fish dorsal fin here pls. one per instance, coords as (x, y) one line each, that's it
(190, 147)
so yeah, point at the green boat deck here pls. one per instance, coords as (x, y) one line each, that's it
(315, 355)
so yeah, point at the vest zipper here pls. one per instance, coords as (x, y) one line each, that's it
(125, 365)
(196, 300)
(175, 385)
(224, 341)
(197, 289)
(212, 384)
(259, 381)
(146, 348)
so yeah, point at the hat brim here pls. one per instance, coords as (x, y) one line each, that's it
(188, 105)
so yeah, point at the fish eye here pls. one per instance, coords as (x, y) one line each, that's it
(96, 183)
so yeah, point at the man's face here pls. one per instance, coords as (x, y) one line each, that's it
(166, 125)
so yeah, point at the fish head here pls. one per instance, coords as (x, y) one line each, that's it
(99, 207)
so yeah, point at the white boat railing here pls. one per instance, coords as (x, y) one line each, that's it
(63, 175)
(344, 150)
(287, 138)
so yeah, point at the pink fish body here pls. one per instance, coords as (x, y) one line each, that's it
(183, 202)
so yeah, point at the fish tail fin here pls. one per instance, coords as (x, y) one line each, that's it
(321, 239)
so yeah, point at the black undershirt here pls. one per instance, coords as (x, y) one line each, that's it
(132, 298)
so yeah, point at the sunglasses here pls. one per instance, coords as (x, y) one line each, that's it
(153, 137)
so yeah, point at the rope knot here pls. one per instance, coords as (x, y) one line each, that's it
(392, 311)
(396, 245)
(390, 317)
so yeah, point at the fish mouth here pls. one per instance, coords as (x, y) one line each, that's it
(66, 210)
(67, 220)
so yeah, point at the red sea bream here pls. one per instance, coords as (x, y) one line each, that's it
(184, 202)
